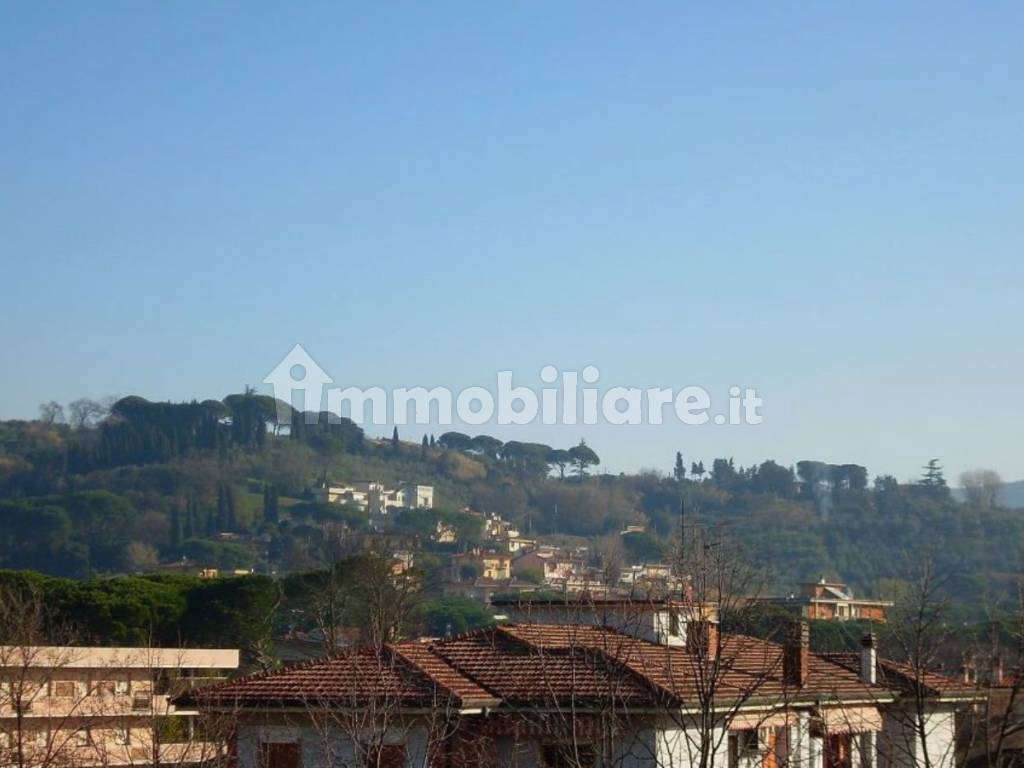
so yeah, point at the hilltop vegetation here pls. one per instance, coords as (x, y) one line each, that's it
(142, 485)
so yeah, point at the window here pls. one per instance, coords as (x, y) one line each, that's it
(837, 751)
(64, 688)
(673, 623)
(121, 688)
(385, 756)
(743, 746)
(81, 737)
(141, 702)
(567, 756)
(281, 755)
(104, 688)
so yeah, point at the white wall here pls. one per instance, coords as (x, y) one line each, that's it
(899, 745)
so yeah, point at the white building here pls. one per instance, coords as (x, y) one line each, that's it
(377, 498)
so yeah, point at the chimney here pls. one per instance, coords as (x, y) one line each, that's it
(796, 653)
(868, 659)
(702, 639)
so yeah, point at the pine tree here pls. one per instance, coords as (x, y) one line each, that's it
(679, 471)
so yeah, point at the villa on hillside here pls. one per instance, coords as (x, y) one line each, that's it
(832, 600)
(375, 497)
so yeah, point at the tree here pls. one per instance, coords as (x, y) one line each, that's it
(423, 448)
(918, 635)
(679, 470)
(773, 478)
(394, 440)
(30, 660)
(561, 458)
(51, 413)
(981, 487)
(583, 456)
(487, 445)
(697, 470)
(455, 441)
(721, 584)
(528, 460)
(271, 513)
(86, 413)
(724, 474)
(933, 480)
(176, 533)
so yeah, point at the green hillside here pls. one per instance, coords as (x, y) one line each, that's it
(222, 484)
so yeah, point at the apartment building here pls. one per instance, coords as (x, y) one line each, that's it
(90, 706)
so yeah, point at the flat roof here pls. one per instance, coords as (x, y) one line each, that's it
(94, 657)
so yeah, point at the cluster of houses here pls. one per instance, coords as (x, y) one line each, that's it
(603, 682)
(597, 682)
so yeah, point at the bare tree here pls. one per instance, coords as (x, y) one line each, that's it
(40, 697)
(721, 673)
(993, 734)
(918, 639)
(981, 486)
(51, 412)
(86, 412)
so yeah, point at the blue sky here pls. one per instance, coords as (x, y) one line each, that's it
(821, 200)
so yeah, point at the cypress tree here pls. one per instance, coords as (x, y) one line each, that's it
(232, 511)
(176, 528)
(190, 518)
(221, 522)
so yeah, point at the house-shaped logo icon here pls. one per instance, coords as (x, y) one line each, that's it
(297, 372)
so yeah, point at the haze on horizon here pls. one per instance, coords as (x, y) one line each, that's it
(818, 201)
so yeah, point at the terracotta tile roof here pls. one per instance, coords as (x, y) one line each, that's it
(406, 674)
(903, 677)
(537, 664)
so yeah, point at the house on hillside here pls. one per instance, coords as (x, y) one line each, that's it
(832, 600)
(552, 564)
(466, 566)
(583, 694)
(88, 706)
(375, 497)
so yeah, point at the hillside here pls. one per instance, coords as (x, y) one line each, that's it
(158, 487)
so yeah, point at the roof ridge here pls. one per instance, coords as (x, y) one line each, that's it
(468, 675)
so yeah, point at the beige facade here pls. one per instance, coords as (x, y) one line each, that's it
(75, 706)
